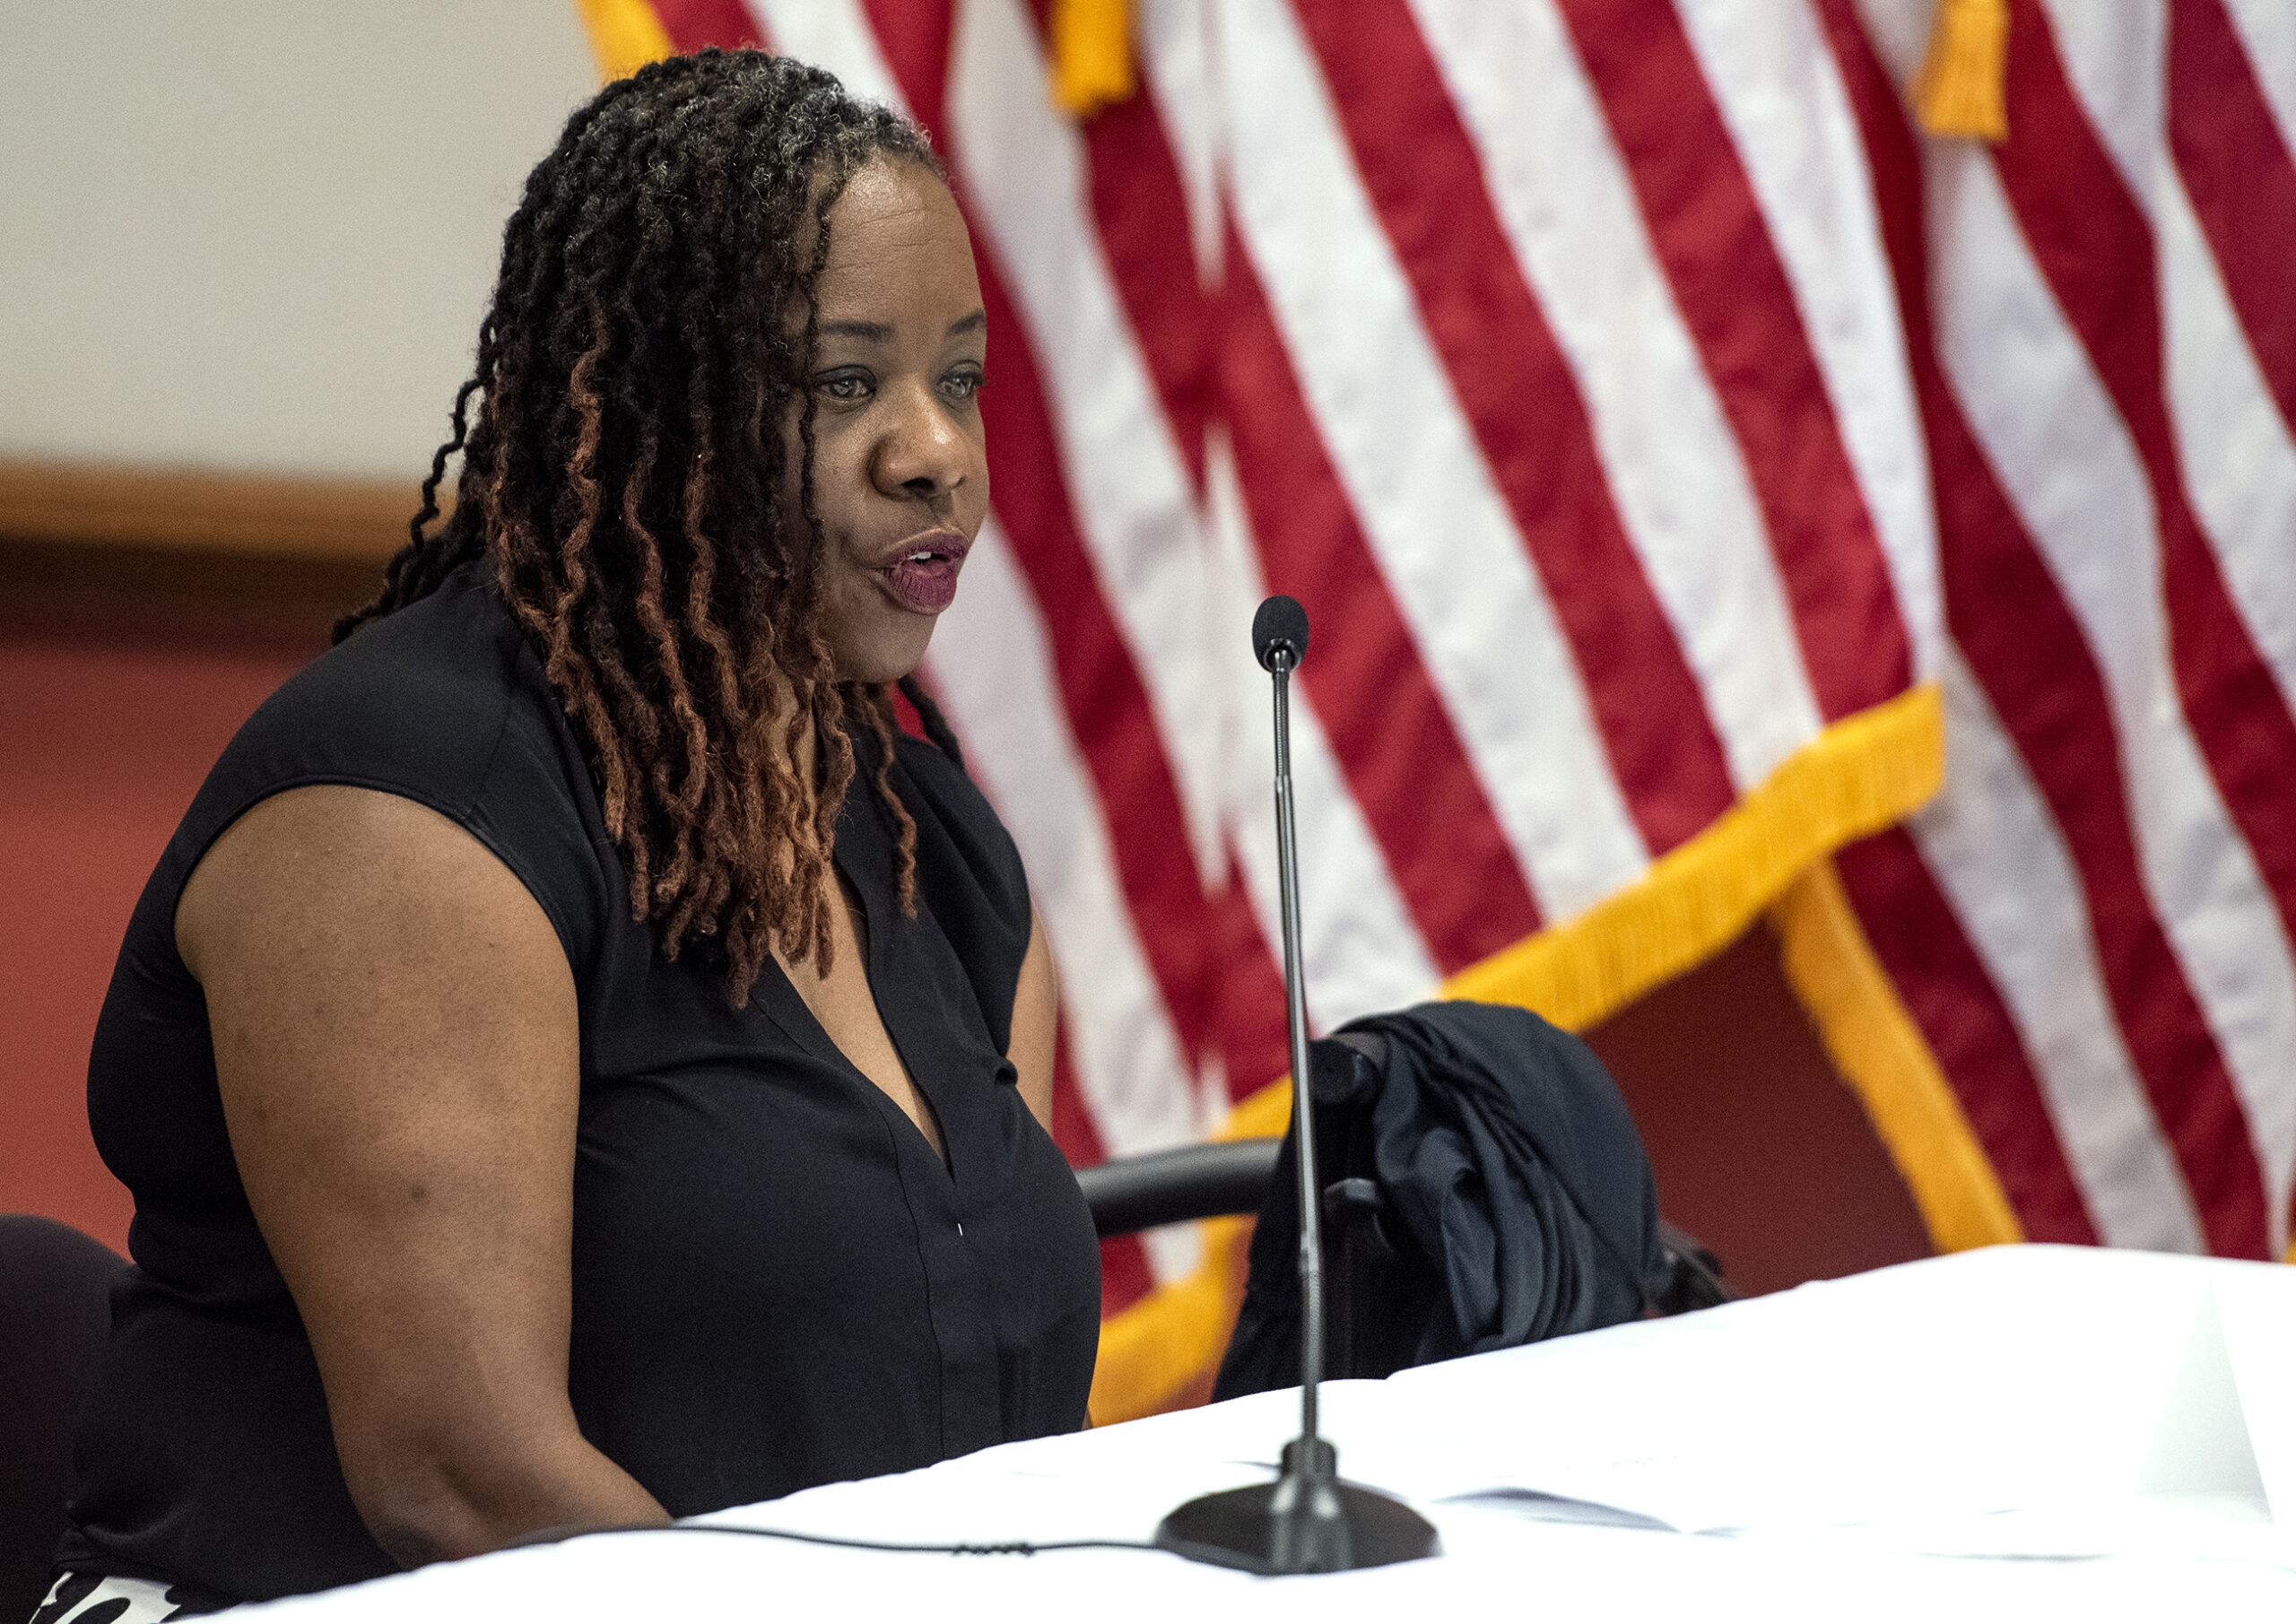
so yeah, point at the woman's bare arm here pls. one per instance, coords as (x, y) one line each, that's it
(397, 1043)
(1036, 1006)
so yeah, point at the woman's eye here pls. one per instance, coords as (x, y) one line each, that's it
(843, 385)
(962, 385)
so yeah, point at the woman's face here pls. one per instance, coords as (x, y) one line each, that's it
(900, 469)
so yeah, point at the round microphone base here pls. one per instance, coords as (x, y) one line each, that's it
(1298, 1526)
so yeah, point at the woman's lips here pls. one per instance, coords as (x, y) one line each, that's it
(923, 579)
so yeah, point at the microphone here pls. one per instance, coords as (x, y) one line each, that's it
(1307, 1521)
(1281, 624)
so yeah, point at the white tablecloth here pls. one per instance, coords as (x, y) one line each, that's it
(2022, 1433)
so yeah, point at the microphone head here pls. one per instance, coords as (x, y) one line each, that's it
(1280, 622)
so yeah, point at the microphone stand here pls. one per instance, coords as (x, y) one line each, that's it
(1307, 1521)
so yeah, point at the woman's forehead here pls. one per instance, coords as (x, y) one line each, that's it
(896, 238)
(890, 204)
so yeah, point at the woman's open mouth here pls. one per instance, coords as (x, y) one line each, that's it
(923, 579)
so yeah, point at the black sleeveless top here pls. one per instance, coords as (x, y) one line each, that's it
(775, 1281)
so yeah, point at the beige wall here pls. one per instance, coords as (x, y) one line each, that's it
(257, 234)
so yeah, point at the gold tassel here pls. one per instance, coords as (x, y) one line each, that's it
(625, 35)
(1091, 55)
(1962, 88)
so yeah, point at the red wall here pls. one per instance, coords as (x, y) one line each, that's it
(104, 738)
(1758, 1150)
(106, 734)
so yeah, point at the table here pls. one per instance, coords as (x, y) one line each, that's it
(2020, 1432)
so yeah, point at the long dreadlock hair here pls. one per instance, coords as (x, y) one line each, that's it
(623, 477)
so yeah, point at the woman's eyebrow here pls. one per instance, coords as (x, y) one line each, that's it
(879, 333)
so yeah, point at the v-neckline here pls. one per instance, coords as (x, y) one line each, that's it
(815, 1036)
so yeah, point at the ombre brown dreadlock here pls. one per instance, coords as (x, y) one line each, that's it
(623, 478)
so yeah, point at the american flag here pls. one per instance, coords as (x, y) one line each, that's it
(1688, 465)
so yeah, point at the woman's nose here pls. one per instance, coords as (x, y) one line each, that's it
(922, 454)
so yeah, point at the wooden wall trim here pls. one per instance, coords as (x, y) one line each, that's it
(106, 548)
(101, 505)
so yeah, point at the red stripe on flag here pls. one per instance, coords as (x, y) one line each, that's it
(905, 716)
(2095, 246)
(1424, 178)
(915, 37)
(692, 24)
(1140, 210)
(1254, 1027)
(1138, 203)
(1100, 687)
(1403, 758)
(1969, 1029)
(1125, 1275)
(1734, 294)
(2243, 182)
(2029, 654)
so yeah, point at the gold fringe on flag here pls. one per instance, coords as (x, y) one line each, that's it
(1962, 89)
(1091, 55)
(625, 35)
(1883, 1056)
(1862, 773)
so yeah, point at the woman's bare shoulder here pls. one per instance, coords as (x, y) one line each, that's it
(325, 871)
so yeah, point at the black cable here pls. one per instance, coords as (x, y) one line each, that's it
(1009, 1548)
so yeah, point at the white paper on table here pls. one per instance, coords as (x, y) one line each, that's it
(2257, 1307)
(2201, 1447)
(2185, 1528)
(2011, 1379)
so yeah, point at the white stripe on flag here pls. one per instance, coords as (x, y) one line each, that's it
(1998, 857)
(2114, 56)
(1781, 96)
(2064, 458)
(1898, 32)
(1446, 544)
(1026, 177)
(1569, 213)
(1175, 52)
(2267, 28)
(2240, 465)
(834, 34)
(1361, 952)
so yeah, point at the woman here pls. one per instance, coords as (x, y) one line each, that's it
(576, 1064)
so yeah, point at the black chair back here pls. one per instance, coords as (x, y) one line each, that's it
(55, 1318)
(1223, 1178)
(1220, 1178)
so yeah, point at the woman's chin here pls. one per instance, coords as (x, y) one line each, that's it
(885, 659)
